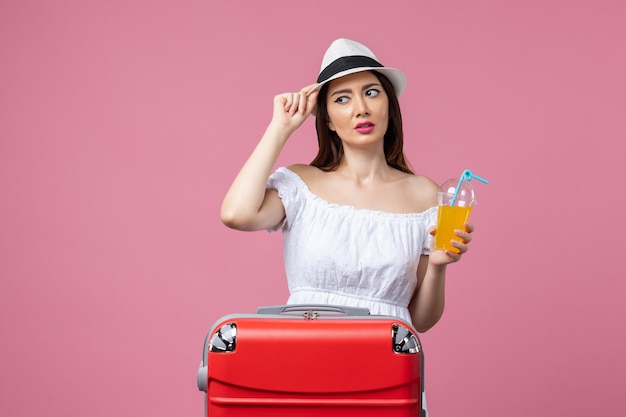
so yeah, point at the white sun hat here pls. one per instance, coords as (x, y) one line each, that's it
(345, 56)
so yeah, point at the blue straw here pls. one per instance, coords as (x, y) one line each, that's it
(467, 175)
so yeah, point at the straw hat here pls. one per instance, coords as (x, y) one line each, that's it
(345, 57)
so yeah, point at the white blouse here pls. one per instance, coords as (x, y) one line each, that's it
(341, 255)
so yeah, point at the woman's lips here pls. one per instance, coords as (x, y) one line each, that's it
(364, 127)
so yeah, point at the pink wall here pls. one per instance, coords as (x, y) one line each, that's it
(122, 123)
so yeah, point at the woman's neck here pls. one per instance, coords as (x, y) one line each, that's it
(365, 169)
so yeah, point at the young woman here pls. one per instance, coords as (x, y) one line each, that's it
(357, 222)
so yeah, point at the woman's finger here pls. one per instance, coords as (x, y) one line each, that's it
(295, 101)
(287, 102)
(302, 102)
(463, 248)
(309, 89)
(455, 256)
(465, 237)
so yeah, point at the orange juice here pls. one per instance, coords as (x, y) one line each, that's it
(448, 219)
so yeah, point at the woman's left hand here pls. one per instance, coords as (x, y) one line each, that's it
(444, 257)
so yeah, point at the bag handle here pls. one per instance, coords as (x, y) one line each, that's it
(315, 310)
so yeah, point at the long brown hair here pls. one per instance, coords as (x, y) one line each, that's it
(330, 152)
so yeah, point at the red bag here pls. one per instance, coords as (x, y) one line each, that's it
(312, 361)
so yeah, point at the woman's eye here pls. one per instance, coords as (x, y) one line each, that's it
(341, 99)
(372, 92)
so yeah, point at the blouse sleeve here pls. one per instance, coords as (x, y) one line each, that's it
(284, 181)
(430, 220)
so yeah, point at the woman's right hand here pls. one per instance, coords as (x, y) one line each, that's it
(292, 109)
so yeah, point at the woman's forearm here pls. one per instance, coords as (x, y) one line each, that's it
(246, 194)
(429, 300)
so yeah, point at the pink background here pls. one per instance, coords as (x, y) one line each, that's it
(123, 122)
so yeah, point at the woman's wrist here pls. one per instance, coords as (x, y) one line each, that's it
(437, 269)
(278, 131)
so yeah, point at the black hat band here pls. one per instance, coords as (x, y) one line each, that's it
(346, 63)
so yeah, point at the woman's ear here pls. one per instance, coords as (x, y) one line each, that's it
(331, 126)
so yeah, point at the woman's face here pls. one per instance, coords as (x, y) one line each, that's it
(358, 108)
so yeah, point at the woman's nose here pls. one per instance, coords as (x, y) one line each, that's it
(360, 106)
